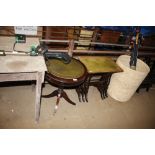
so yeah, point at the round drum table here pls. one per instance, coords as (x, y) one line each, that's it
(64, 75)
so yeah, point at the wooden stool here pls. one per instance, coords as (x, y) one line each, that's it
(63, 76)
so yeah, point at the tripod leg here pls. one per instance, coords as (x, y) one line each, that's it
(65, 96)
(54, 93)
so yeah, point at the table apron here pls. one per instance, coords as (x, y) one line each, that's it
(18, 76)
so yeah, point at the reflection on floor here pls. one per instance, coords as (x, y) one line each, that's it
(17, 110)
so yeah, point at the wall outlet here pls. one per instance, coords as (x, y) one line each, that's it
(20, 38)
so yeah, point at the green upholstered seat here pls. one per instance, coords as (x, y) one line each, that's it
(67, 71)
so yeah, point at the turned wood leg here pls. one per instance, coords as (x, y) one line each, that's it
(101, 92)
(86, 89)
(79, 94)
(105, 91)
(109, 77)
(82, 93)
(57, 103)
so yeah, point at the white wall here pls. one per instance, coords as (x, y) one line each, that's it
(6, 43)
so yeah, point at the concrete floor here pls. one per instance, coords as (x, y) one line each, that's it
(17, 110)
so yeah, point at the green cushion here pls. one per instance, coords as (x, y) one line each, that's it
(67, 71)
